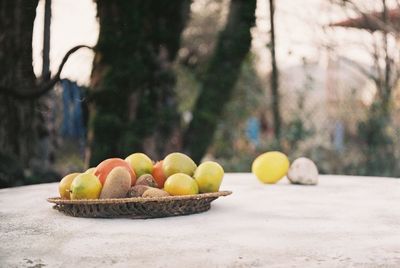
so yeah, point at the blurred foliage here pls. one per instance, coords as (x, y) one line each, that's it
(371, 133)
(207, 19)
(248, 97)
(299, 128)
(371, 140)
(378, 143)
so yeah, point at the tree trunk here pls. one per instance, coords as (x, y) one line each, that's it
(274, 74)
(231, 49)
(133, 106)
(46, 40)
(20, 125)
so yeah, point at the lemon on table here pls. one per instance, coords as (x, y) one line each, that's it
(181, 184)
(270, 167)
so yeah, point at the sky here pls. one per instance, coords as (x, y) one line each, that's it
(73, 23)
(299, 28)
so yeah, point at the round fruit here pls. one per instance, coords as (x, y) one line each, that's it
(178, 163)
(105, 167)
(209, 176)
(85, 186)
(181, 184)
(140, 163)
(65, 185)
(90, 170)
(158, 174)
(270, 167)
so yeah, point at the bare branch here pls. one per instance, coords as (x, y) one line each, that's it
(44, 86)
(374, 20)
(360, 68)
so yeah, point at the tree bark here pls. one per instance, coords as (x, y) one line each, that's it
(274, 74)
(224, 68)
(46, 40)
(20, 123)
(133, 106)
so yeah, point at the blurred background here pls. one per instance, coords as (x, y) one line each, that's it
(81, 81)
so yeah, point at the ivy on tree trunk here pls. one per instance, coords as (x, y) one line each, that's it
(20, 124)
(133, 104)
(222, 73)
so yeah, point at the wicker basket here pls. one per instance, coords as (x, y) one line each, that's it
(137, 207)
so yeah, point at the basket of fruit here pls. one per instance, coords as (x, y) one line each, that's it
(137, 188)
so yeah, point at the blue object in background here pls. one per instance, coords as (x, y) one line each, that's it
(338, 136)
(253, 130)
(72, 124)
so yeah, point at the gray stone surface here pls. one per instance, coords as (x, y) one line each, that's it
(342, 222)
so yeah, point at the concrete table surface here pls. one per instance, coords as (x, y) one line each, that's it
(342, 222)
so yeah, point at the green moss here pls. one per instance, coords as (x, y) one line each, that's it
(134, 97)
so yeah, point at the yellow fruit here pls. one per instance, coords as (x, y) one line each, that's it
(85, 186)
(140, 163)
(90, 170)
(181, 184)
(178, 163)
(209, 176)
(65, 184)
(270, 167)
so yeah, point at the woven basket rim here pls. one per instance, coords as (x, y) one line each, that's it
(58, 200)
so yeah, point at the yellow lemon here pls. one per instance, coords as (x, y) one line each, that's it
(270, 167)
(85, 186)
(181, 184)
